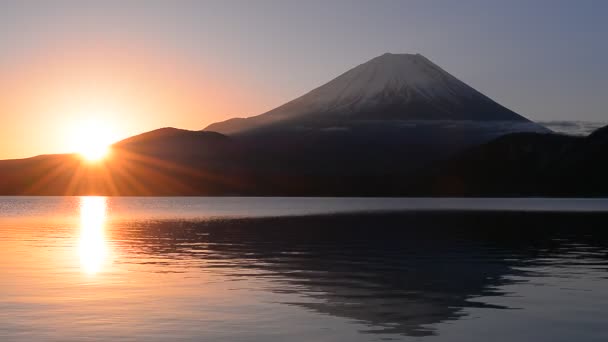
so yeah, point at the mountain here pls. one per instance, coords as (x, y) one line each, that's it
(389, 88)
(525, 164)
(372, 129)
(170, 143)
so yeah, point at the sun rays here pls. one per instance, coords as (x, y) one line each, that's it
(123, 172)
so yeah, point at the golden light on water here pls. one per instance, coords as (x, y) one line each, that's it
(93, 248)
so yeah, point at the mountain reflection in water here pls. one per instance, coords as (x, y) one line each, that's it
(397, 273)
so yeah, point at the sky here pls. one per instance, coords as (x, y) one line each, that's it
(126, 67)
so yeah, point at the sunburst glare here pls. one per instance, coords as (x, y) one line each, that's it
(92, 139)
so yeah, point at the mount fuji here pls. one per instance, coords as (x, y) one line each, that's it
(399, 89)
(372, 130)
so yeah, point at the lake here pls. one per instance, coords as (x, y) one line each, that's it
(303, 269)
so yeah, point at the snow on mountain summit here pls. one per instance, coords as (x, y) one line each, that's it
(398, 75)
(387, 88)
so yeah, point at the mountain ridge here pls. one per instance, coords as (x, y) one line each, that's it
(525, 164)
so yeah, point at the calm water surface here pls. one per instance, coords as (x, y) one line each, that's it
(307, 269)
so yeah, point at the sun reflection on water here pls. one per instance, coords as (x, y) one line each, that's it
(93, 249)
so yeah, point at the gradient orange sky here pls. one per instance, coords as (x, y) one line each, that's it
(127, 89)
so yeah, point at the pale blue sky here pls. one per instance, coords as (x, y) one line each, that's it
(547, 60)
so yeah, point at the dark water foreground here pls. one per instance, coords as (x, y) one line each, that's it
(408, 275)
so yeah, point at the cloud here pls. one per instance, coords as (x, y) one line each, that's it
(335, 129)
(580, 128)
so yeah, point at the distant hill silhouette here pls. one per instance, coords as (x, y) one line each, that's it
(526, 164)
(167, 161)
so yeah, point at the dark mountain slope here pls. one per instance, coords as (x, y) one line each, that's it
(526, 164)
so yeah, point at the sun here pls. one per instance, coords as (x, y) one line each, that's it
(92, 140)
(94, 151)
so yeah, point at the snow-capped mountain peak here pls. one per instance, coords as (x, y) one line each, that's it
(386, 88)
(407, 76)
